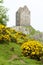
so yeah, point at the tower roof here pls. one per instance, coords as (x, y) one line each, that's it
(21, 9)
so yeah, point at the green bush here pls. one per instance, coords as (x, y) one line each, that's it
(19, 37)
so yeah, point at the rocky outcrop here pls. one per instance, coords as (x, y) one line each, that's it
(33, 34)
(22, 29)
(37, 36)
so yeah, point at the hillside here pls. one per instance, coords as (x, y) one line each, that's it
(10, 47)
(31, 32)
(9, 56)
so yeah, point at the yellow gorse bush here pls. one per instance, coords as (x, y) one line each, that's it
(1, 26)
(19, 37)
(9, 34)
(4, 35)
(33, 49)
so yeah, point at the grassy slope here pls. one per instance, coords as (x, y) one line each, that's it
(31, 29)
(6, 56)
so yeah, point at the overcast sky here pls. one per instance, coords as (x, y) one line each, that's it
(35, 7)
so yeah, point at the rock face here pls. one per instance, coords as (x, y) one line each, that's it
(22, 29)
(37, 36)
(23, 16)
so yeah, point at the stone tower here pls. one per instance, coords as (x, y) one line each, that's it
(23, 16)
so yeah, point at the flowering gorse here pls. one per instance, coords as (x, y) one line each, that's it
(9, 34)
(33, 49)
(4, 35)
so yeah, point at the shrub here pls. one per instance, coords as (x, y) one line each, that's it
(9, 34)
(33, 49)
(4, 35)
(19, 37)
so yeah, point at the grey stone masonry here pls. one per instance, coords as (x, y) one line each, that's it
(23, 16)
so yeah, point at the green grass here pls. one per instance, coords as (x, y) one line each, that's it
(6, 54)
(31, 29)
